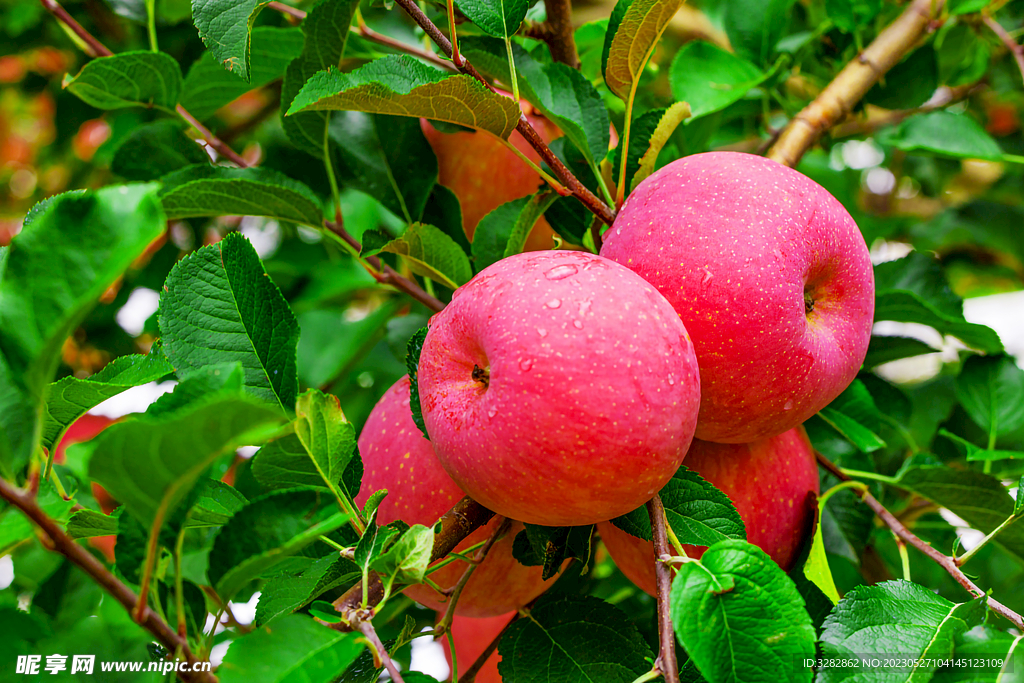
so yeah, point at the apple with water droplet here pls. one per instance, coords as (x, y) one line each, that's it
(772, 483)
(771, 277)
(396, 457)
(559, 388)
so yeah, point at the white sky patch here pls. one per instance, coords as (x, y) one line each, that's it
(141, 304)
(428, 658)
(134, 400)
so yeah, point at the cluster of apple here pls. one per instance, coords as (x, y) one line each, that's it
(732, 299)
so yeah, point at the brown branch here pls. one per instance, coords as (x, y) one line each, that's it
(292, 12)
(470, 675)
(571, 182)
(943, 98)
(559, 34)
(384, 273)
(212, 140)
(1012, 45)
(908, 537)
(366, 628)
(666, 661)
(456, 591)
(464, 518)
(82, 558)
(854, 81)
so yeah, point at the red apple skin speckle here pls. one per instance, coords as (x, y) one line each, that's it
(592, 394)
(396, 457)
(734, 241)
(769, 481)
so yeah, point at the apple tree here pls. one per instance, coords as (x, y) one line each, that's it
(617, 342)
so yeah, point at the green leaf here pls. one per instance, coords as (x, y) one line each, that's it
(374, 541)
(89, 523)
(975, 453)
(265, 532)
(667, 124)
(215, 503)
(407, 559)
(946, 134)
(326, 30)
(205, 190)
(156, 149)
(549, 547)
(740, 617)
(754, 27)
(402, 86)
(284, 594)
(698, 513)
(816, 567)
(886, 349)
(979, 499)
(15, 527)
(909, 84)
(412, 363)
(296, 649)
(225, 27)
(913, 289)
(710, 78)
(129, 79)
(71, 397)
(850, 15)
(430, 253)
(990, 388)
(500, 18)
(572, 638)
(503, 231)
(219, 306)
(854, 415)
(984, 655)
(634, 29)
(872, 619)
(1018, 505)
(648, 133)
(78, 244)
(208, 86)
(150, 462)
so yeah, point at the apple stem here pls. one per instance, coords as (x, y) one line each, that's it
(666, 661)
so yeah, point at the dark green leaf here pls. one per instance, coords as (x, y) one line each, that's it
(70, 398)
(88, 523)
(374, 541)
(991, 390)
(549, 547)
(886, 349)
(572, 638)
(402, 86)
(634, 29)
(265, 532)
(296, 649)
(908, 84)
(975, 453)
(215, 503)
(284, 594)
(209, 86)
(698, 512)
(944, 133)
(500, 18)
(156, 149)
(740, 617)
(710, 78)
(412, 362)
(82, 242)
(330, 343)
(430, 253)
(225, 27)
(854, 415)
(850, 15)
(894, 616)
(984, 655)
(129, 79)
(204, 190)
(503, 231)
(754, 27)
(219, 306)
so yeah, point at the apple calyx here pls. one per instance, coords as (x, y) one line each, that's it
(808, 302)
(482, 375)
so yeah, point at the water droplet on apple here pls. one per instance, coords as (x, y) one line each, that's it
(577, 324)
(492, 411)
(789, 405)
(542, 332)
(671, 381)
(526, 364)
(585, 306)
(560, 273)
(554, 303)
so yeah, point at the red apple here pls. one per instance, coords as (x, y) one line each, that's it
(769, 482)
(84, 429)
(472, 637)
(484, 174)
(771, 277)
(396, 457)
(559, 388)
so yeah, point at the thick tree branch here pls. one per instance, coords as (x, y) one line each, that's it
(1015, 48)
(571, 182)
(854, 81)
(82, 558)
(908, 537)
(666, 661)
(464, 518)
(559, 34)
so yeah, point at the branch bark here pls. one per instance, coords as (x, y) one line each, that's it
(666, 661)
(854, 81)
(1015, 48)
(571, 182)
(464, 518)
(908, 537)
(82, 558)
(559, 37)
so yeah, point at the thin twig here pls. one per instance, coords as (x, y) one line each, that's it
(944, 97)
(212, 140)
(464, 518)
(384, 273)
(944, 561)
(293, 12)
(1015, 48)
(571, 182)
(854, 81)
(666, 661)
(470, 675)
(66, 546)
(456, 590)
(366, 628)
